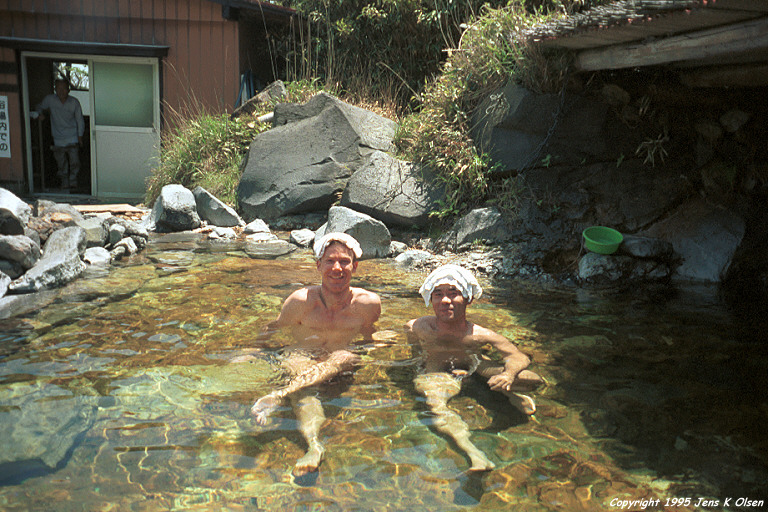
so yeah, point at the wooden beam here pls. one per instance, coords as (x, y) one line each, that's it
(734, 38)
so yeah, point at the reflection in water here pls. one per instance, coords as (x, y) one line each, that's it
(120, 392)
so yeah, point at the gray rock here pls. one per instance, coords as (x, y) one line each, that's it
(174, 210)
(124, 247)
(43, 208)
(12, 269)
(132, 229)
(213, 211)
(268, 250)
(59, 264)
(19, 249)
(397, 248)
(34, 235)
(704, 236)
(305, 220)
(646, 248)
(393, 191)
(222, 232)
(412, 256)
(256, 226)
(5, 281)
(304, 162)
(321, 230)
(597, 268)
(274, 92)
(97, 256)
(14, 213)
(42, 425)
(96, 231)
(372, 234)
(521, 129)
(260, 237)
(733, 120)
(116, 233)
(302, 237)
(484, 225)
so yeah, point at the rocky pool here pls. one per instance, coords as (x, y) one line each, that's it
(118, 395)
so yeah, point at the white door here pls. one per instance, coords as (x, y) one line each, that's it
(126, 125)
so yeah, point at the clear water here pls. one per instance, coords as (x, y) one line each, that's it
(118, 395)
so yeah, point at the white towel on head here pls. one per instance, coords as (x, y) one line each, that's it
(343, 238)
(454, 275)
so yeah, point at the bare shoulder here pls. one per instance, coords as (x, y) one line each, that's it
(366, 299)
(421, 325)
(297, 304)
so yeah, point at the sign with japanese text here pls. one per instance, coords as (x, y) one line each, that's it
(5, 132)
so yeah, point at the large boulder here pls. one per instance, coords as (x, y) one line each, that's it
(14, 213)
(481, 225)
(19, 249)
(61, 262)
(303, 163)
(519, 129)
(704, 236)
(213, 211)
(372, 234)
(174, 210)
(393, 191)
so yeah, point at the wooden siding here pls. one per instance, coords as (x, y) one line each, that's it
(201, 67)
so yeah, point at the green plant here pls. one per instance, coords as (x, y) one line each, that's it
(491, 51)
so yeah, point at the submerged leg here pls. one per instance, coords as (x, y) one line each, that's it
(309, 413)
(306, 373)
(438, 388)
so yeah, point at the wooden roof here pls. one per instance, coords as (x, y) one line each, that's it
(711, 42)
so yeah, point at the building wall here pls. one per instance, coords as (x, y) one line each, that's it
(200, 72)
(11, 169)
(202, 66)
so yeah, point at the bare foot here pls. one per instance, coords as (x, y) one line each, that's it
(310, 461)
(523, 403)
(263, 407)
(480, 463)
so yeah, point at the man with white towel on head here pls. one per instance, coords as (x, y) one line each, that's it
(324, 320)
(451, 345)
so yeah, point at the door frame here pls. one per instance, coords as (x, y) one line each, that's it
(90, 58)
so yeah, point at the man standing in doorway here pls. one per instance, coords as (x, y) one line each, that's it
(67, 128)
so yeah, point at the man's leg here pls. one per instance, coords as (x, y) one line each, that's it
(305, 373)
(525, 382)
(438, 388)
(62, 165)
(74, 164)
(310, 415)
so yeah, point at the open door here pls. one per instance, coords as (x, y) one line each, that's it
(125, 125)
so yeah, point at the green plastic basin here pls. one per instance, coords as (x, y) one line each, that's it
(601, 239)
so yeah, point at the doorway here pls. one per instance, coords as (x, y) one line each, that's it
(120, 99)
(42, 74)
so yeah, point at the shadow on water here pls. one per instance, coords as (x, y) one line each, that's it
(667, 382)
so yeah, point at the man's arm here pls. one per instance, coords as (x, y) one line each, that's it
(80, 122)
(371, 309)
(514, 360)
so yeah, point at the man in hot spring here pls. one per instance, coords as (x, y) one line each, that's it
(451, 345)
(324, 320)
